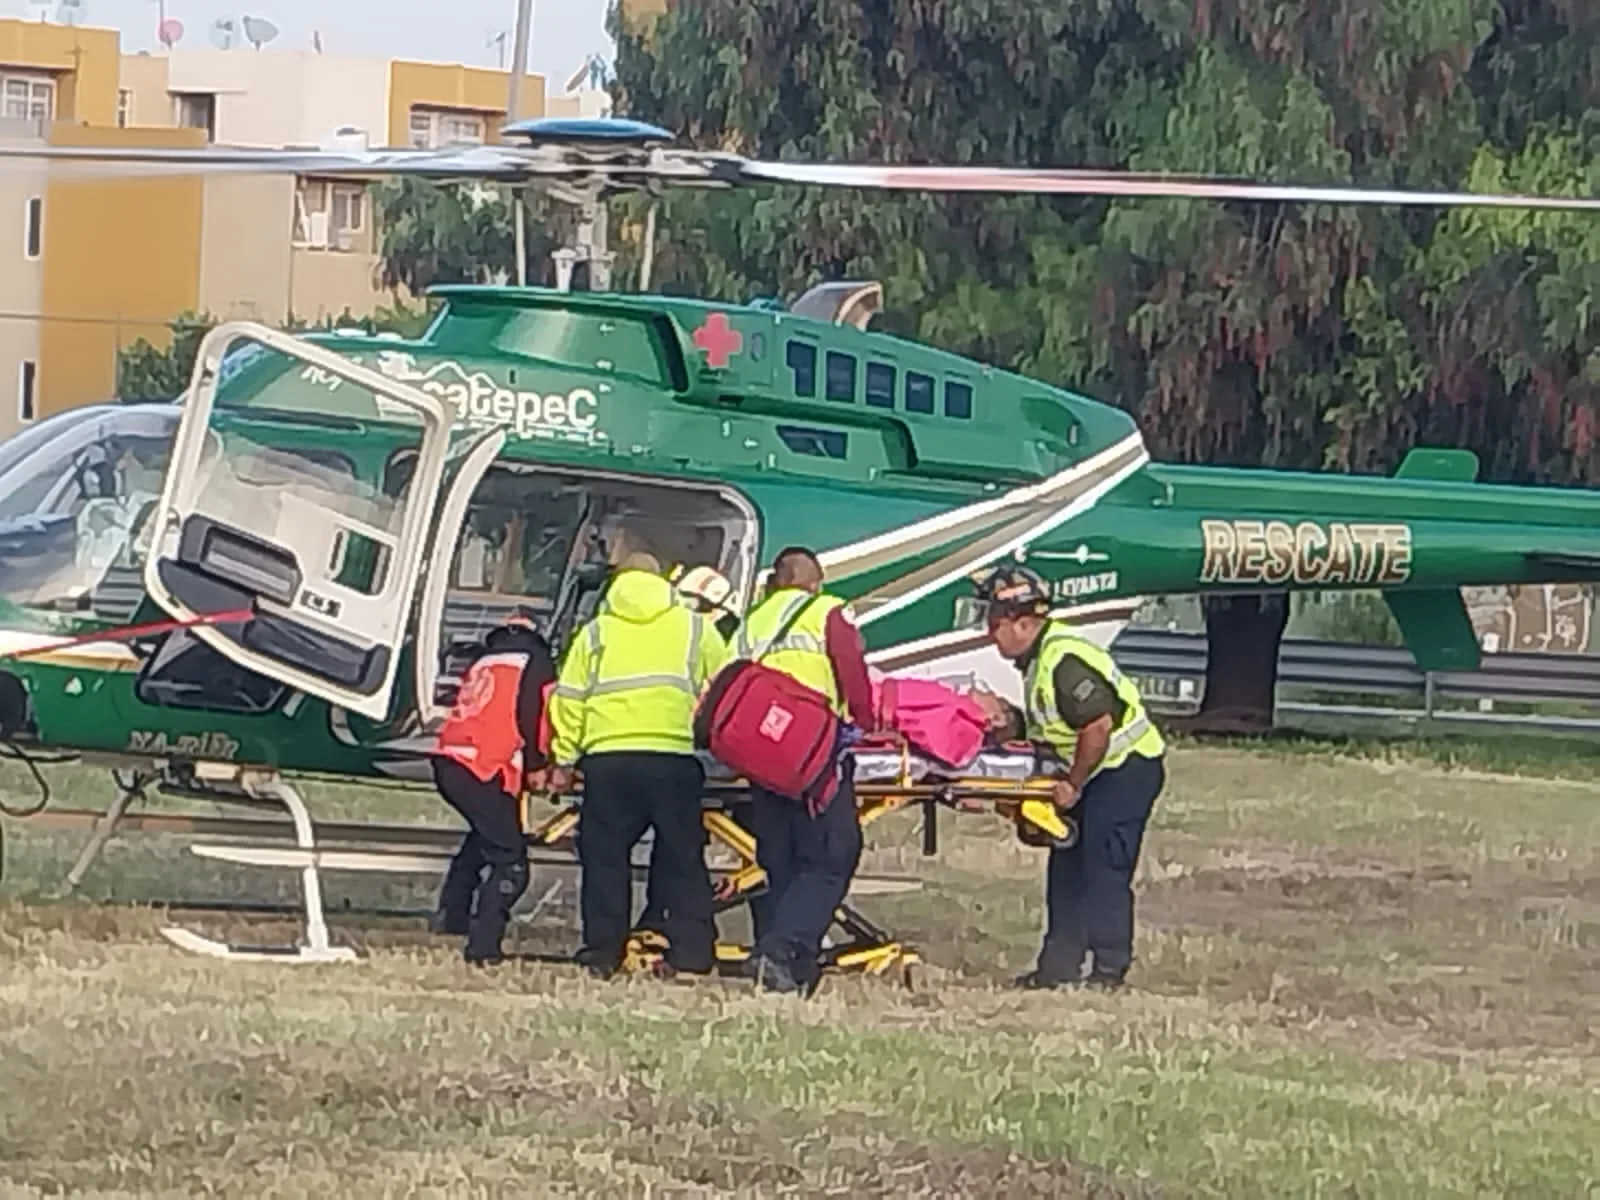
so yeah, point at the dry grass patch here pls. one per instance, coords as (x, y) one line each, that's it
(1352, 979)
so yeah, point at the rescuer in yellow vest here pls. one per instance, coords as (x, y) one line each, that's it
(704, 590)
(1088, 716)
(623, 712)
(808, 860)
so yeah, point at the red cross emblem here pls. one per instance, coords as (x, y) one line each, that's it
(719, 339)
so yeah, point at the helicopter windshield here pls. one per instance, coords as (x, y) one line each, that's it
(76, 493)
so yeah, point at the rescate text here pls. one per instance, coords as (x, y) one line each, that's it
(1308, 552)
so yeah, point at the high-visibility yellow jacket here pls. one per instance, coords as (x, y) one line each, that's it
(802, 653)
(1133, 733)
(631, 676)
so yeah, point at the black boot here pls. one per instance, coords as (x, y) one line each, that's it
(499, 893)
(453, 913)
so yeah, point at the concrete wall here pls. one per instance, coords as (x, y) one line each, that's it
(283, 97)
(244, 247)
(122, 259)
(450, 85)
(84, 60)
(144, 78)
(20, 282)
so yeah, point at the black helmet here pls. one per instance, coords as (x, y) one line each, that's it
(1013, 591)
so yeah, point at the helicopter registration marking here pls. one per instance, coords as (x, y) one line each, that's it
(1310, 552)
(214, 747)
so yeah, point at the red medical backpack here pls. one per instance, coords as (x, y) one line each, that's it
(772, 729)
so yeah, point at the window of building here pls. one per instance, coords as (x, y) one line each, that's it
(431, 128)
(819, 443)
(880, 385)
(27, 377)
(330, 214)
(957, 400)
(33, 227)
(27, 97)
(841, 377)
(195, 110)
(919, 392)
(801, 358)
(124, 107)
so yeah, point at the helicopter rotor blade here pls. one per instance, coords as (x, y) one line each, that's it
(1115, 183)
(467, 162)
(630, 160)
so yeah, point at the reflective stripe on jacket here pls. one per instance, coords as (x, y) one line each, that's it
(802, 653)
(1133, 734)
(632, 675)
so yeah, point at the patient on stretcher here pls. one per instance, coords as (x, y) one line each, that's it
(936, 732)
(950, 728)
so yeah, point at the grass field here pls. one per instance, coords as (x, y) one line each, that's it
(1365, 977)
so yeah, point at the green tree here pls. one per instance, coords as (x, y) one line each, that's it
(1242, 334)
(432, 233)
(150, 373)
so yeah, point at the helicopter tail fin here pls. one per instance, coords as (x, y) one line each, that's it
(1439, 466)
(1434, 621)
(1436, 628)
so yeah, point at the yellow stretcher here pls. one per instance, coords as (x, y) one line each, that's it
(1005, 782)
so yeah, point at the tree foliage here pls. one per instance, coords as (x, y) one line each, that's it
(432, 233)
(150, 373)
(1237, 333)
(1247, 334)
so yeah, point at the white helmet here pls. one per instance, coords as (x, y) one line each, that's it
(707, 585)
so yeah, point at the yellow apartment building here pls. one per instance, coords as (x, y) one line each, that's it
(99, 261)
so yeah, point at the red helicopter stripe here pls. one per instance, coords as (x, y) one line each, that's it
(128, 632)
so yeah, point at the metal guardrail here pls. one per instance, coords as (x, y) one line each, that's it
(1338, 667)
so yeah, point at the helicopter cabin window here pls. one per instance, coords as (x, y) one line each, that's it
(543, 539)
(919, 392)
(819, 443)
(184, 672)
(801, 358)
(586, 340)
(74, 510)
(958, 400)
(841, 377)
(880, 385)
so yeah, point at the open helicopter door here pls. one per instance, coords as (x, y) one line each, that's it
(285, 561)
(475, 463)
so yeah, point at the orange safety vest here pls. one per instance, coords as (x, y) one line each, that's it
(481, 731)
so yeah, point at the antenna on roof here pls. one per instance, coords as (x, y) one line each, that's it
(224, 33)
(71, 12)
(498, 42)
(259, 31)
(169, 32)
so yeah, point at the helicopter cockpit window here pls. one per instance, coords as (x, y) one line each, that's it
(74, 512)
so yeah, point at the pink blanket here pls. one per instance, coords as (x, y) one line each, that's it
(937, 720)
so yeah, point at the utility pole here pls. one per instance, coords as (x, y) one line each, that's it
(519, 71)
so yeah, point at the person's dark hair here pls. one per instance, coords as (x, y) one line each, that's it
(516, 638)
(796, 566)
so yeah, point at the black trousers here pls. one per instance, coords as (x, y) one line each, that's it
(809, 863)
(469, 900)
(654, 915)
(624, 794)
(1089, 887)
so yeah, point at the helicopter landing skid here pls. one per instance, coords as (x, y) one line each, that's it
(315, 947)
